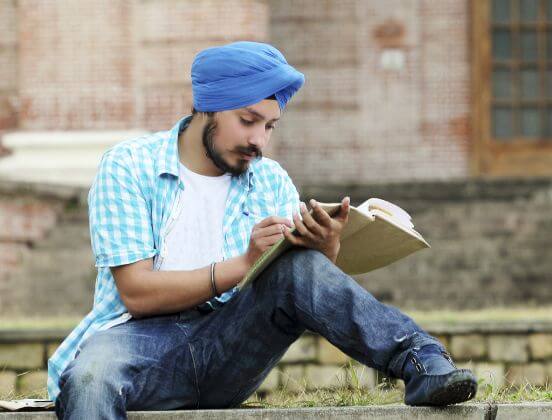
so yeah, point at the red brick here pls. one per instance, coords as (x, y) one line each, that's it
(26, 220)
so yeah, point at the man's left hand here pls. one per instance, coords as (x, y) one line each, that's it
(320, 231)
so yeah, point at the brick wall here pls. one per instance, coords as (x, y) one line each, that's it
(490, 243)
(46, 264)
(117, 64)
(75, 64)
(498, 354)
(359, 121)
(8, 65)
(166, 39)
(24, 221)
(126, 64)
(490, 246)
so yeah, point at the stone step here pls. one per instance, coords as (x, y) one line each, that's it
(535, 411)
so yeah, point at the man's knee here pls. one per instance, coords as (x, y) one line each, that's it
(92, 386)
(89, 376)
(305, 259)
(304, 266)
(97, 369)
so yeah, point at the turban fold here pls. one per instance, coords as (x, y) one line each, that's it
(241, 74)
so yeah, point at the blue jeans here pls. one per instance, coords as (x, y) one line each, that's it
(218, 359)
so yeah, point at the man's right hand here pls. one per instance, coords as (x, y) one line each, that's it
(265, 234)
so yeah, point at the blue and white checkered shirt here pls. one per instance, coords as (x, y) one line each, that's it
(134, 197)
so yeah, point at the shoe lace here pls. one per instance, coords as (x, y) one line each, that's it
(421, 368)
(447, 356)
(414, 360)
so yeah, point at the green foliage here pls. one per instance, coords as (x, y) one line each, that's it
(387, 393)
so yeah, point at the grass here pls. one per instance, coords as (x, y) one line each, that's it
(383, 394)
(388, 393)
(39, 393)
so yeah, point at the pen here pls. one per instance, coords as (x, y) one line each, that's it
(257, 219)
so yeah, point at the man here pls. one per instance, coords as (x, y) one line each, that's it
(176, 220)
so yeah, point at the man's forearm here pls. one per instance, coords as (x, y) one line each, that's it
(159, 292)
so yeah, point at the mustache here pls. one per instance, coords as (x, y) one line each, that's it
(249, 151)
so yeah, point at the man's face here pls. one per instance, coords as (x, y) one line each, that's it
(233, 138)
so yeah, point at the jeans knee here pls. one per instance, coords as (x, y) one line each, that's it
(302, 267)
(97, 370)
(90, 388)
(306, 259)
(89, 376)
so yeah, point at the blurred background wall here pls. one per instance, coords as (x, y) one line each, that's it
(443, 107)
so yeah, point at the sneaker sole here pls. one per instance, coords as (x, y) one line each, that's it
(460, 387)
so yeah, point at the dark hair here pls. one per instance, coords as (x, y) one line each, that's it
(194, 112)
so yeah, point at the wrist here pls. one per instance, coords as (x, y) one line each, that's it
(229, 273)
(244, 265)
(333, 253)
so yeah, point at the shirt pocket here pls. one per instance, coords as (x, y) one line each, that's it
(258, 206)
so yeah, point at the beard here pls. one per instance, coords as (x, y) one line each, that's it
(208, 138)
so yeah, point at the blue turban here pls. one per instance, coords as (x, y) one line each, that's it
(241, 74)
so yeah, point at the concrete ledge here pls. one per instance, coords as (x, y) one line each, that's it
(14, 188)
(58, 157)
(535, 411)
(33, 336)
(489, 327)
(461, 189)
(436, 328)
(342, 413)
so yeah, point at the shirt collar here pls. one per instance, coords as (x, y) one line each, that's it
(168, 159)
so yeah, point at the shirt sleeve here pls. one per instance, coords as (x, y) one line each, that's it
(288, 197)
(119, 213)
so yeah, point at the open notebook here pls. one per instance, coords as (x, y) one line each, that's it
(378, 233)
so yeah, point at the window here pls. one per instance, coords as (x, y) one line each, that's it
(512, 80)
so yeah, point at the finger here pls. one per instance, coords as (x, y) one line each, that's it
(273, 220)
(343, 214)
(294, 240)
(300, 226)
(268, 241)
(311, 224)
(269, 230)
(319, 214)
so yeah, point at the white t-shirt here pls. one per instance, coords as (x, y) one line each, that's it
(195, 239)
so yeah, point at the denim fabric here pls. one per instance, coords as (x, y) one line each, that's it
(218, 359)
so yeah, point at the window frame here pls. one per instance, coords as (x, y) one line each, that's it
(518, 156)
